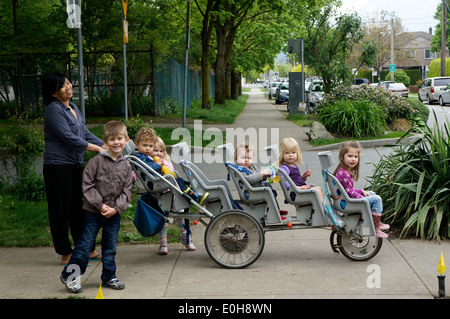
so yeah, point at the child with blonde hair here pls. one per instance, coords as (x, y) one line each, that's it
(160, 150)
(347, 172)
(290, 160)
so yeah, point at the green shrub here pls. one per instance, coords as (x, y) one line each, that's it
(400, 76)
(414, 182)
(24, 143)
(393, 105)
(361, 118)
(423, 112)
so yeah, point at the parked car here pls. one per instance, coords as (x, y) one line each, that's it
(398, 88)
(313, 95)
(444, 96)
(431, 88)
(361, 81)
(273, 89)
(383, 84)
(282, 93)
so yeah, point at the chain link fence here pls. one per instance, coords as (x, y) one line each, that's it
(155, 84)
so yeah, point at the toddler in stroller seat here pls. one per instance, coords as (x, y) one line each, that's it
(150, 146)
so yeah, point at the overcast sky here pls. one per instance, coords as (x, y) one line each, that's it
(416, 15)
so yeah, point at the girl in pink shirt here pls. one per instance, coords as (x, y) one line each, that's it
(347, 172)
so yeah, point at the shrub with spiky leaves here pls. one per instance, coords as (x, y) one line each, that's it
(353, 118)
(414, 182)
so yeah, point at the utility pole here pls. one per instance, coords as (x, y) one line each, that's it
(443, 36)
(392, 48)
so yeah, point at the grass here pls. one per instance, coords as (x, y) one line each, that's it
(25, 224)
(323, 141)
(220, 114)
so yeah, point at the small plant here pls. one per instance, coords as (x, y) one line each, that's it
(134, 124)
(169, 106)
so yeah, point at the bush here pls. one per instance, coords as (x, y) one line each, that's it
(400, 76)
(24, 143)
(422, 111)
(394, 106)
(414, 183)
(361, 118)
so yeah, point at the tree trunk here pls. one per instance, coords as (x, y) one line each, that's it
(235, 84)
(219, 70)
(206, 32)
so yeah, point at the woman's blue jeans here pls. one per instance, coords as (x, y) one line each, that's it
(80, 255)
(375, 202)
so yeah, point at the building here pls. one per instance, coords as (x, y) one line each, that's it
(419, 49)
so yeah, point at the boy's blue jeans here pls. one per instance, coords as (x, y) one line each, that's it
(375, 202)
(80, 255)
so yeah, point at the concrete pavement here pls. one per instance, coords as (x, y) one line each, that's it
(295, 264)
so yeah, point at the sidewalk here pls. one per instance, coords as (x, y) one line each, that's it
(294, 264)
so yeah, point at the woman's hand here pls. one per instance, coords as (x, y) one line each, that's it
(96, 148)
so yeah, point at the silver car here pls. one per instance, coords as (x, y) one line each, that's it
(431, 88)
(444, 96)
(314, 94)
(398, 88)
(273, 89)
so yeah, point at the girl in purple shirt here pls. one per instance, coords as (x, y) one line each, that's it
(289, 161)
(347, 172)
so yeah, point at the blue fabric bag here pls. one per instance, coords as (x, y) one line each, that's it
(147, 220)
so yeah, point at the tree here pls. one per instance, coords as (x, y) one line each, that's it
(329, 41)
(378, 30)
(206, 12)
(260, 38)
(436, 40)
(233, 13)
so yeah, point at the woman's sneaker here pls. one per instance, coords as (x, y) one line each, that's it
(72, 286)
(114, 284)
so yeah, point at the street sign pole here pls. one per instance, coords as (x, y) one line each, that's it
(73, 8)
(125, 41)
(188, 8)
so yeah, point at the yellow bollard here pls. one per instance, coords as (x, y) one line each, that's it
(441, 277)
(99, 293)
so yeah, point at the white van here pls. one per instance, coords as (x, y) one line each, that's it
(431, 87)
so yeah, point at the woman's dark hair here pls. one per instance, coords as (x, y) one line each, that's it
(51, 83)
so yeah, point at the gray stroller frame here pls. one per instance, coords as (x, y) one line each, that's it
(234, 237)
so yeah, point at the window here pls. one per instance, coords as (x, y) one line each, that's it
(429, 55)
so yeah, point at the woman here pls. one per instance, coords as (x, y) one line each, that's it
(66, 139)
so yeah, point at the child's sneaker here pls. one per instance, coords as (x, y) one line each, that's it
(190, 246)
(162, 250)
(114, 284)
(72, 286)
